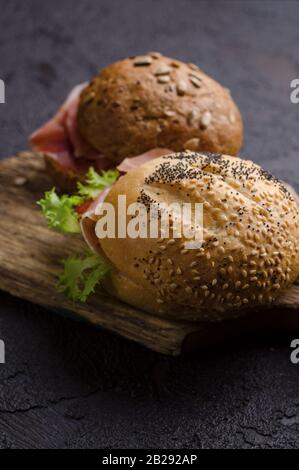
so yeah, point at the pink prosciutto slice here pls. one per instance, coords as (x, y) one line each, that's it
(89, 219)
(53, 136)
(60, 139)
(134, 162)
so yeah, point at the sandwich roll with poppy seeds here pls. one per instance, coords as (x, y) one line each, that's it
(134, 107)
(250, 252)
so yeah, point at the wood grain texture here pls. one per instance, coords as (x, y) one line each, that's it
(30, 260)
(31, 256)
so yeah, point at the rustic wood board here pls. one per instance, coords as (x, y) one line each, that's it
(30, 258)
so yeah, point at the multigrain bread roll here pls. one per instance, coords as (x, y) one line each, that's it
(134, 107)
(151, 101)
(250, 249)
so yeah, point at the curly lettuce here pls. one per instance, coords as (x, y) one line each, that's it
(96, 183)
(81, 276)
(60, 211)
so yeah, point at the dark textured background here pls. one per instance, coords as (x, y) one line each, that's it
(69, 385)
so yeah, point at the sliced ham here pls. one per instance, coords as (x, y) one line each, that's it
(80, 147)
(60, 139)
(66, 163)
(53, 136)
(134, 162)
(89, 220)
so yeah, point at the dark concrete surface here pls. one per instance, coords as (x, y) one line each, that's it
(66, 384)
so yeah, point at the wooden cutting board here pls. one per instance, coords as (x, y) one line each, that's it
(30, 259)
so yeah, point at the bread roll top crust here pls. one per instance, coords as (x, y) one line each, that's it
(141, 103)
(250, 248)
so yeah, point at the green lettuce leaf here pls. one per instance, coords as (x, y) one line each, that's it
(81, 275)
(60, 211)
(96, 183)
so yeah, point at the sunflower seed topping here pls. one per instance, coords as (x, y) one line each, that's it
(192, 66)
(182, 87)
(20, 180)
(191, 117)
(192, 144)
(164, 79)
(155, 55)
(195, 80)
(232, 118)
(163, 69)
(206, 119)
(142, 60)
(168, 113)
